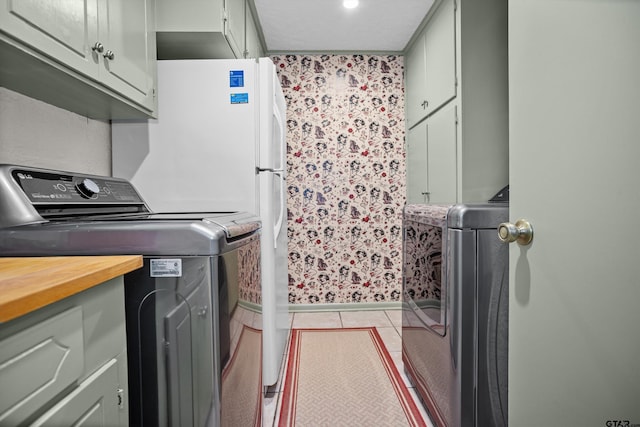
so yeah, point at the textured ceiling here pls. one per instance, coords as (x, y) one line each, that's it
(325, 25)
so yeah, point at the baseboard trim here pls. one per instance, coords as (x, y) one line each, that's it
(309, 308)
(303, 308)
(256, 308)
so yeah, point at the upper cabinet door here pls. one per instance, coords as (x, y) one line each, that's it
(62, 30)
(440, 47)
(252, 43)
(128, 53)
(431, 65)
(234, 26)
(416, 82)
(98, 55)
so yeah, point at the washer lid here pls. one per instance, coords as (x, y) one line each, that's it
(234, 224)
(170, 237)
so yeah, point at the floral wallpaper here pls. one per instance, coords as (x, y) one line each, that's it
(346, 176)
(249, 273)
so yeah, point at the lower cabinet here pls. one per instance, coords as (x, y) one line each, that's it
(417, 169)
(65, 364)
(432, 159)
(93, 403)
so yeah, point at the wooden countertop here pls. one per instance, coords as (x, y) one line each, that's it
(27, 284)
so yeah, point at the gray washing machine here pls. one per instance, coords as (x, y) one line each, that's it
(179, 305)
(455, 311)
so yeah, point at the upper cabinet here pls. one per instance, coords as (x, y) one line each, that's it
(253, 42)
(205, 29)
(93, 57)
(127, 64)
(234, 25)
(440, 48)
(415, 82)
(431, 64)
(457, 103)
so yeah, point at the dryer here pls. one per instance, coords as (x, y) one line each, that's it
(455, 311)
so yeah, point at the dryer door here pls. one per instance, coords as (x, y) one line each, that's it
(493, 329)
(424, 273)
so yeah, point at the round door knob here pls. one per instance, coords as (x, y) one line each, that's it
(109, 55)
(520, 232)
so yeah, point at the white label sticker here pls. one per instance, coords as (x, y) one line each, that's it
(166, 267)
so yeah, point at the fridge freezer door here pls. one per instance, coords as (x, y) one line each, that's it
(273, 111)
(200, 154)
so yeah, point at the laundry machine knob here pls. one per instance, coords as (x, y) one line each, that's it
(87, 188)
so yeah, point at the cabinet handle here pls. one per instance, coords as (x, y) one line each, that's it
(120, 393)
(203, 311)
(98, 47)
(109, 55)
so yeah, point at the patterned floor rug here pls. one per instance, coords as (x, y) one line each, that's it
(344, 377)
(242, 382)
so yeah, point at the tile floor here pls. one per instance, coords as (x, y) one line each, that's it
(389, 324)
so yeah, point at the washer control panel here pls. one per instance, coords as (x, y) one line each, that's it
(47, 188)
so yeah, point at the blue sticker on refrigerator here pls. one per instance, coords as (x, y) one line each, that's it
(239, 98)
(236, 78)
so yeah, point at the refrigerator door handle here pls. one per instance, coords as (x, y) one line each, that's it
(280, 172)
(281, 136)
(282, 207)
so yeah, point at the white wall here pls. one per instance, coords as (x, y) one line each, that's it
(33, 133)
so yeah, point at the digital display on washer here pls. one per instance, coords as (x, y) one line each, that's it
(41, 187)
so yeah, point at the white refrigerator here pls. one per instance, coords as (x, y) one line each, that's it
(218, 145)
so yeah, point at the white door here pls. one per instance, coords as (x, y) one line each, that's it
(574, 349)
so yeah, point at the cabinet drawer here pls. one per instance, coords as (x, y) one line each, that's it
(94, 403)
(39, 362)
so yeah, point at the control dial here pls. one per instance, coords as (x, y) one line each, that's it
(87, 188)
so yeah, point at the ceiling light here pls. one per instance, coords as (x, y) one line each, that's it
(350, 4)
